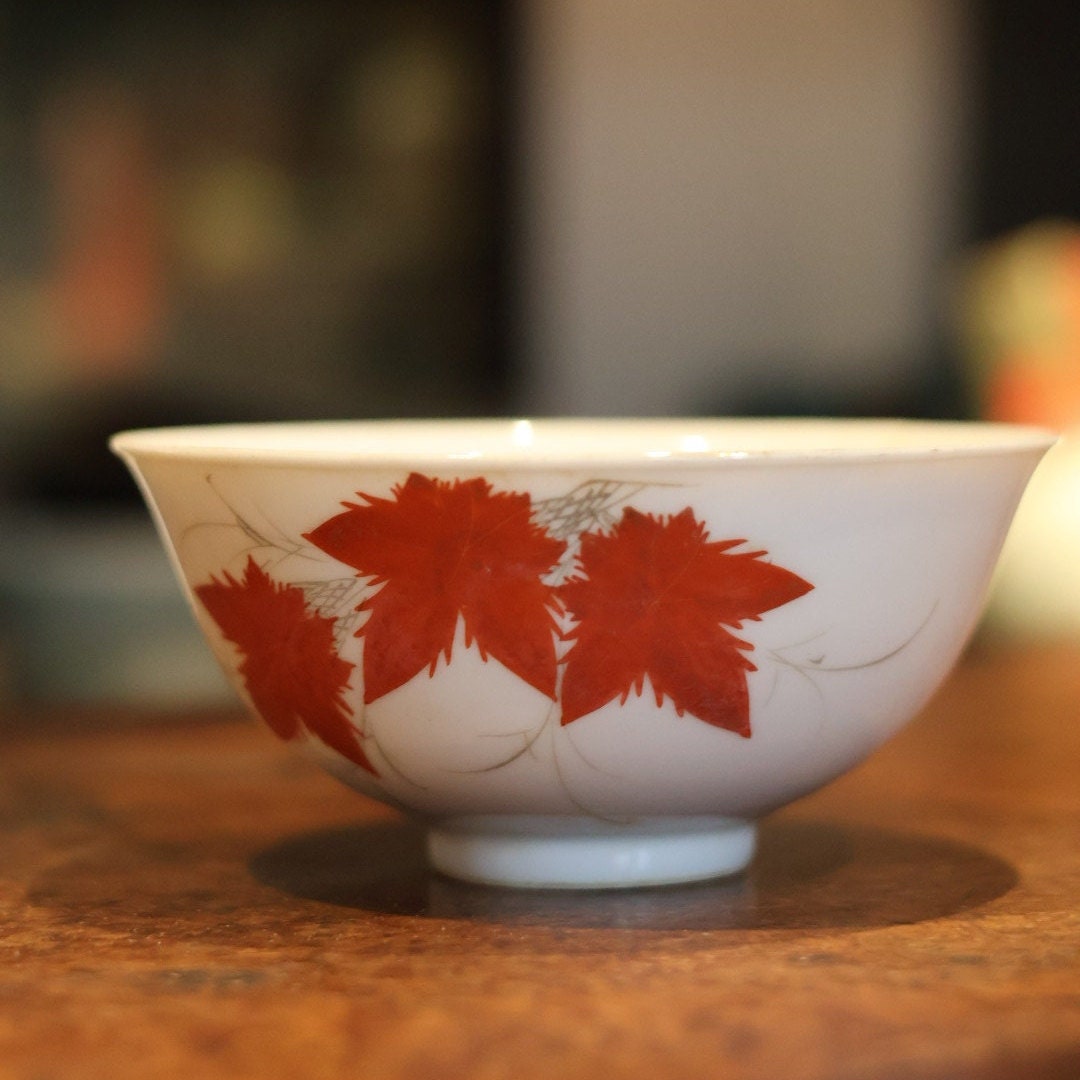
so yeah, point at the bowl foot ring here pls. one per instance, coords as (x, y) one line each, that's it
(532, 851)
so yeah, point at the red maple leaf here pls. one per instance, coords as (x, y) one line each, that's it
(441, 550)
(654, 597)
(290, 666)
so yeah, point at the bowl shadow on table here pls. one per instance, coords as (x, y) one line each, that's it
(807, 875)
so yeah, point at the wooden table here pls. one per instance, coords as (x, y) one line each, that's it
(187, 899)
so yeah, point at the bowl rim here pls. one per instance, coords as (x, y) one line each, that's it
(583, 442)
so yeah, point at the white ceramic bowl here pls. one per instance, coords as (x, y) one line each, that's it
(588, 652)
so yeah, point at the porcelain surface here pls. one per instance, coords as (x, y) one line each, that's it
(589, 653)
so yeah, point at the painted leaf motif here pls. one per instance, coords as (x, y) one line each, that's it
(290, 666)
(656, 598)
(440, 551)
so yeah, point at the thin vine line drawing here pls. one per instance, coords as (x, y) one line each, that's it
(817, 664)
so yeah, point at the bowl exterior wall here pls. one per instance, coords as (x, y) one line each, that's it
(617, 642)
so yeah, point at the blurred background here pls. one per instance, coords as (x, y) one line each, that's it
(266, 210)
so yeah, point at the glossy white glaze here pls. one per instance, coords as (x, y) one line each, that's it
(576, 441)
(896, 526)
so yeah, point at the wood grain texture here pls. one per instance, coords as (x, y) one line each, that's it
(190, 899)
